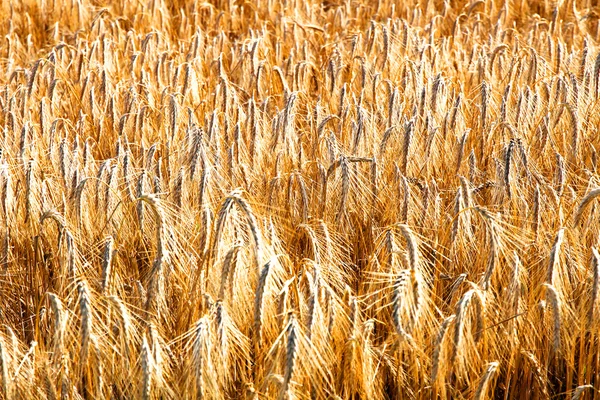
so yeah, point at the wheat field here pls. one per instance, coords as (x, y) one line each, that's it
(285, 199)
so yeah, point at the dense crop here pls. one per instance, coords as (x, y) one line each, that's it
(288, 199)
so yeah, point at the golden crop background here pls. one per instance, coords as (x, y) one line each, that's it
(299, 199)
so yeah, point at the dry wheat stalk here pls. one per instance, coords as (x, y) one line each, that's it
(579, 391)
(156, 291)
(461, 315)
(584, 203)
(258, 302)
(439, 346)
(553, 299)
(595, 285)
(86, 321)
(4, 369)
(485, 380)
(555, 256)
(147, 370)
(291, 355)
(107, 260)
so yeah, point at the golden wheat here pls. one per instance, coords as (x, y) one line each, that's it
(281, 199)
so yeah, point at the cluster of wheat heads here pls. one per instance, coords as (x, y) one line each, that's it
(299, 199)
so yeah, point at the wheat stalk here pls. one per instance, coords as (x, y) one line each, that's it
(485, 381)
(439, 343)
(595, 285)
(4, 371)
(587, 199)
(553, 299)
(147, 370)
(107, 263)
(291, 355)
(554, 256)
(86, 321)
(579, 391)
